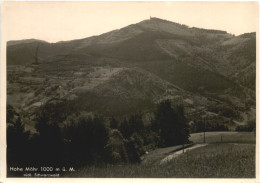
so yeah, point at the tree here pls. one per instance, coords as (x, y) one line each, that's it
(10, 114)
(48, 143)
(17, 142)
(133, 131)
(171, 124)
(198, 126)
(113, 123)
(125, 129)
(116, 147)
(133, 125)
(136, 124)
(87, 138)
(249, 127)
(135, 148)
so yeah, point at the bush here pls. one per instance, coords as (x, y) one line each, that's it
(151, 139)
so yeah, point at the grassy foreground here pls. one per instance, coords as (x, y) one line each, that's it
(216, 160)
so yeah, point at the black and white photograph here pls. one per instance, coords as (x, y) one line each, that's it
(129, 89)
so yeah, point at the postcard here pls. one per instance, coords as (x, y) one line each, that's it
(129, 90)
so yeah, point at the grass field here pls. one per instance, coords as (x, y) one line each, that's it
(225, 137)
(224, 159)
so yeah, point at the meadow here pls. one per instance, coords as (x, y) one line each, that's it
(232, 158)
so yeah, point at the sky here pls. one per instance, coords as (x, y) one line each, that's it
(61, 21)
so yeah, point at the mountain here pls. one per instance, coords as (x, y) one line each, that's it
(11, 43)
(131, 69)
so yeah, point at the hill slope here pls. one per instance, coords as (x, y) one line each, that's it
(131, 69)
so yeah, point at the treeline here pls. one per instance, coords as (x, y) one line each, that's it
(201, 125)
(209, 30)
(80, 140)
(249, 127)
(225, 110)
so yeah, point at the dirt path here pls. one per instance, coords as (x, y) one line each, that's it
(177, 153)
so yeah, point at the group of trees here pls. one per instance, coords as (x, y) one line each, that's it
(225, 110)
(84, 140)
(80, 142)
(249, 127)
(64, 137)
(201, 125)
